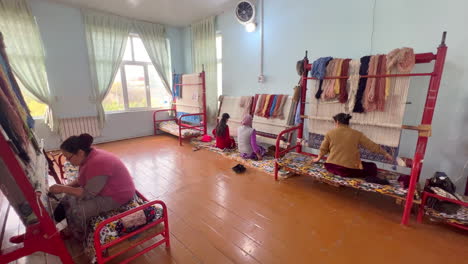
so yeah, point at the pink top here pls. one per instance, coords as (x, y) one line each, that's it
(119, 183)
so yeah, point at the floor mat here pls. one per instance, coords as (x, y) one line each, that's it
(266, 165)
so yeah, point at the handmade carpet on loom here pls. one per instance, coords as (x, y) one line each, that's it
(273, 126)
(382, 127)
(191, 96)
(237, 107)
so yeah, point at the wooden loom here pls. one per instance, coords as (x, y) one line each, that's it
(176, 126)
(424, 129)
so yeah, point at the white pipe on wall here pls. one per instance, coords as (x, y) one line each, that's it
(261, 77)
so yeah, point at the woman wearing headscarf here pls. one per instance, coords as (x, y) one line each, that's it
(342, 147)
(247, 140)
(221, 133)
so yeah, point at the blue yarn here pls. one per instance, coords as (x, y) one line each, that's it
(273, 105)
(319, 67)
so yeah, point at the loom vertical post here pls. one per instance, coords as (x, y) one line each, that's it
(428, 114)
(205, 122)
(300, 133)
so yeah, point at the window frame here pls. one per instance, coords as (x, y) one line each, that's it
(123, 79)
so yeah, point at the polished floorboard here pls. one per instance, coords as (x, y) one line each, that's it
(217, 216)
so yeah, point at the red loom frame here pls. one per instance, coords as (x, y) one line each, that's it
(203, 124)
(41, 236)
(428, 113)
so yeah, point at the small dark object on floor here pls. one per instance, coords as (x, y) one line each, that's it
(377, 180)
(239, 168)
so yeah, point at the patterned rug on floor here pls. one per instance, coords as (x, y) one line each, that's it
(302, 164)
(266, 165)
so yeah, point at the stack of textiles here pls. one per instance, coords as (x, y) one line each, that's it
(270, 105)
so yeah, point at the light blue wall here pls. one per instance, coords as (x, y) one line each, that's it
(187, 49)
(63, 36)
(176, 40)
(291, 27)
(344, 29)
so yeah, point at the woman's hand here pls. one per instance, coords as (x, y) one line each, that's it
(56, 188)
(388, 157)
(317, 159)
(259, 157)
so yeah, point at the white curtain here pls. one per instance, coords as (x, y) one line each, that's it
(106, 37)
(204, 53)
(26, 53)
(154, 39)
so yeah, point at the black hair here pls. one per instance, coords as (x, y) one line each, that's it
(74, 143)
(342, 118)
(221, 127)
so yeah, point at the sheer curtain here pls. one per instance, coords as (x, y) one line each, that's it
(154, 39)
(106, 38)
(26, 53)
(204, 53)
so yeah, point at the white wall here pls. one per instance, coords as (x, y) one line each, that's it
(344, 29)
(62, 32)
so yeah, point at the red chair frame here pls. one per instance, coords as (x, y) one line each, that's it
(165, 233)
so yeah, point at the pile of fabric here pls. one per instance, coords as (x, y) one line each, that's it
(377, 104)
(270, 105)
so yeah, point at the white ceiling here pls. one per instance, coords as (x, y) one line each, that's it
(169, 12)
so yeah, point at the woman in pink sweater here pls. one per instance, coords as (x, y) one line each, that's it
(103, 184)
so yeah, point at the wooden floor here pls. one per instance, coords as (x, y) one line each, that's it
(217, 216)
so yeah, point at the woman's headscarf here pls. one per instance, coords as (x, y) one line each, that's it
(247, 121)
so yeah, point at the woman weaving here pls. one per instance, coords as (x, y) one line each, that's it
(103, 184)
(342, 146)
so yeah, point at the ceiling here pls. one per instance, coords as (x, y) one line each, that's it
(169, 12)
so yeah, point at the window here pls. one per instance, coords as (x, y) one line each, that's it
(137, 85)
(219, 59)
(36, 108)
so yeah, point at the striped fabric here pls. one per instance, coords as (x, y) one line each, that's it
(79, 125)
